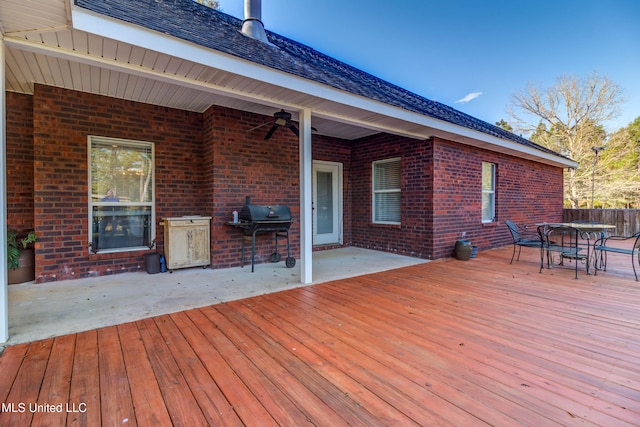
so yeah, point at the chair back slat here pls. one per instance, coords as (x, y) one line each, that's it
(513, 228)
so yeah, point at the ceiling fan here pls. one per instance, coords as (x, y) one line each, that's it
(282, 118)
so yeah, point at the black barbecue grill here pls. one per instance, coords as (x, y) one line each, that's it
(256, 219)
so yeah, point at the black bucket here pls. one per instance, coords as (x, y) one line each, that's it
(152, 263)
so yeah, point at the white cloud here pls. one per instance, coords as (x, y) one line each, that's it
(469, 97)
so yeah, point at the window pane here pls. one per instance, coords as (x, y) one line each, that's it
(120, 227)
(125, 169)
(324, 208)
(487, 207)
(387, 175)
(387, 207)
(487, 176)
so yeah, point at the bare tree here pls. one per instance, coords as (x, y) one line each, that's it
(568, 117)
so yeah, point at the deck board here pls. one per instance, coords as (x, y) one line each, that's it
(26, 384)
(249, 394)
(9, 366)
(448, 342)
(177, 392)
(84, 390)
(55, 383)
(145, 392)
(116, 405)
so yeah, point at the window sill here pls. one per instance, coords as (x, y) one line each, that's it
(492, 224)
(382, 225)
(120, 252)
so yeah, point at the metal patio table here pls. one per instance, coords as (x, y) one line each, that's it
(581, 236)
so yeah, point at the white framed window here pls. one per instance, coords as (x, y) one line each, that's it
(386, 178)
(488, 192)
(121, 194)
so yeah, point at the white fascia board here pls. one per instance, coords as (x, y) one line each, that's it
(101, 25)
(469, 136)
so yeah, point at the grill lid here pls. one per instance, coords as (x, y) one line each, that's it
(260, 213)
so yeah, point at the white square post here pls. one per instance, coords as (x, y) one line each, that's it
(306, 213)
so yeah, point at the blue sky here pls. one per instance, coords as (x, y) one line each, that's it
(472, 55)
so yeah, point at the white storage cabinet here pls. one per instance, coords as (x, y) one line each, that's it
(187, 241)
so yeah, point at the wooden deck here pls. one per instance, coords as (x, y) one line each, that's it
(444, 343)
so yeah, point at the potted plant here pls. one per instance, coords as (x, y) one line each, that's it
(20, 256)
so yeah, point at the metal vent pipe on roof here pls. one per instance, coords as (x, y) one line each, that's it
(252, 25)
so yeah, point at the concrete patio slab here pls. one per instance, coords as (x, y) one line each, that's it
(38, 311)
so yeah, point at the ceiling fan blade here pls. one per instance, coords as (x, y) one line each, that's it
(259, 126)
(271, 131)
(312, 128)
(293, 129)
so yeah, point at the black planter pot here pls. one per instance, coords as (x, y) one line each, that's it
(463, 250)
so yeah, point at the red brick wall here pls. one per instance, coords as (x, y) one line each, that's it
(431, 224)
(62, 120)
(19, 161)
(246, 165)
(526, 191)
(413, 236)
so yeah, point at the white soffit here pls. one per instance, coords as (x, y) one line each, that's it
(28, 15)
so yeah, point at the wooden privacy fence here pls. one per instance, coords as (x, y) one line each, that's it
(627, 221)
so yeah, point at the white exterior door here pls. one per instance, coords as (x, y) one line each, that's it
(327, 203)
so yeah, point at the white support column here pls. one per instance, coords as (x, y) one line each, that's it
(306, 214)
(4, 289)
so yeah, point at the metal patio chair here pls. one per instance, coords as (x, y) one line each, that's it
(601, 249)
(522, 237)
